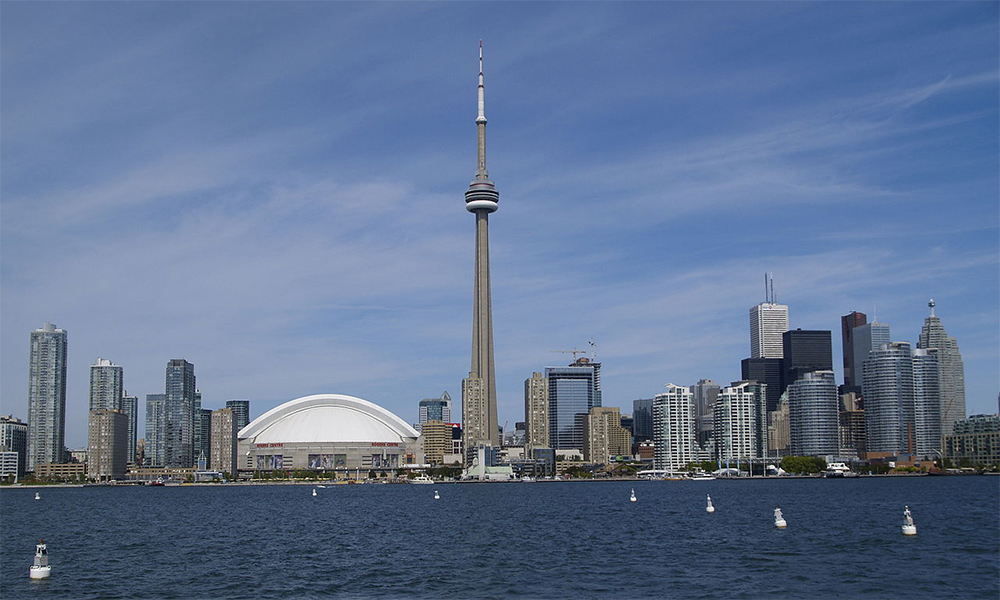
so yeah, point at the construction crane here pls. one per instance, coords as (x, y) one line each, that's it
(573, 352)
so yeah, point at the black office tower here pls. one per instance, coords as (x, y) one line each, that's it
(769, 371)
(805, 350)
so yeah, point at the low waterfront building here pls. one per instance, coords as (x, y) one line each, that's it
(53, 471)
(14, 438)
(976, 441)
(8, 464)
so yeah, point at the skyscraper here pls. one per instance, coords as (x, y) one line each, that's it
(642, 419)
(156, 426)
(806, 351)
(536, 413)
(434, 409)
(769, 371)
(107, 454)
(223, 441)
(814, 415)
(864, 339)
(951, 372)
(479, 390)
(46, 396)
(573, 391)
(888, 391)
(736, 421)
(604, 436)
(130, 406)
(14, 438)
(241, 413)
(179, 414)
(674, 429)
(852, 375)
(926, 402)
(768, 321)
(106, 388)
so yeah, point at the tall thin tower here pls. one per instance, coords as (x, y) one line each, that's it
(479, 389)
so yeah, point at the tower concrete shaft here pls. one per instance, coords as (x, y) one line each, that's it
(479, 396)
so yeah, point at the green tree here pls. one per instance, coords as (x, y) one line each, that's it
(803, 464)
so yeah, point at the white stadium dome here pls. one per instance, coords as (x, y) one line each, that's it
(328, 419)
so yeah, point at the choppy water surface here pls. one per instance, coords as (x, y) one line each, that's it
(542, 540)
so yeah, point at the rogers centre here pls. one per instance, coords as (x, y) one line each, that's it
(328, 432)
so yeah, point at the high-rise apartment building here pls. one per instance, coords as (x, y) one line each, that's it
(926, 402)
(605, 437)
(241, 413)
(736, 421)
(806, 351)
(480, 424)
(222, 451)
(674, 429)
(852, 378)
(179, 414)
(436, 436)
(951, 370)
(107, 448)
(536, 413)
(434, 409)
(106, 385)
(156, 429)
(130, 406)
(888, 393)
(814, 415)
(573, 391)
(852, 428)
(46, 396)
(768, 321)
(14, 438)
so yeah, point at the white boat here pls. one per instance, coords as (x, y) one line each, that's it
(527, 479)
(710, 508)
(839, 470)
(632, 498)
(779, 519)
(908, 527)
(40, 569)
(422, 480)
(703, 477)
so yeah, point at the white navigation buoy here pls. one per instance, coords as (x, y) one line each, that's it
(632, 498)
(37, 497)
(40, 569)
(437, 496)
(710, 508)
(779, 519)
(314, 491)
(908, 527)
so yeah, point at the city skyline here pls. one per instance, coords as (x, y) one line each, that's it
(656, 160)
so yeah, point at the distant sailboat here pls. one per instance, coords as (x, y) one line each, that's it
(779, 519)
(632, 498)
(710, 508)
(908, 527)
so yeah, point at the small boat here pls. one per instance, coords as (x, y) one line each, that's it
(779, 519)
(908, 527)
(40, 569)
(437, 496)
(314, 491)
(703, 477)
(710, 508)
(632, 498)
(321, 486)
(37, 497)
(527, 479)
(422, 480)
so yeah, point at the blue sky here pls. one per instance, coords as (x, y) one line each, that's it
(274, 191)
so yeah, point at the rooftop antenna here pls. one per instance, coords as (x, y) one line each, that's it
(931, 304)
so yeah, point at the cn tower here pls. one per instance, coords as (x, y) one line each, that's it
(479, 389)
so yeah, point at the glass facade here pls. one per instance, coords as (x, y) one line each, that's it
(814, 415)
(179, 414)
(572, 394)
(46, 396)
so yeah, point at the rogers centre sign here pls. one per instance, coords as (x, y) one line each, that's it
(381, 444)
(276, 445)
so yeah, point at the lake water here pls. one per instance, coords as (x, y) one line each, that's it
(541, 540)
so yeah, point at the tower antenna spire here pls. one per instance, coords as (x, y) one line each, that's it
(481, 172)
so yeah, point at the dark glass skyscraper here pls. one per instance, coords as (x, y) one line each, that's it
(852, 365)
(179, 414)
(46, 396)
(573, 391)
(805, 351)
(769, 371)
(241, 413)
